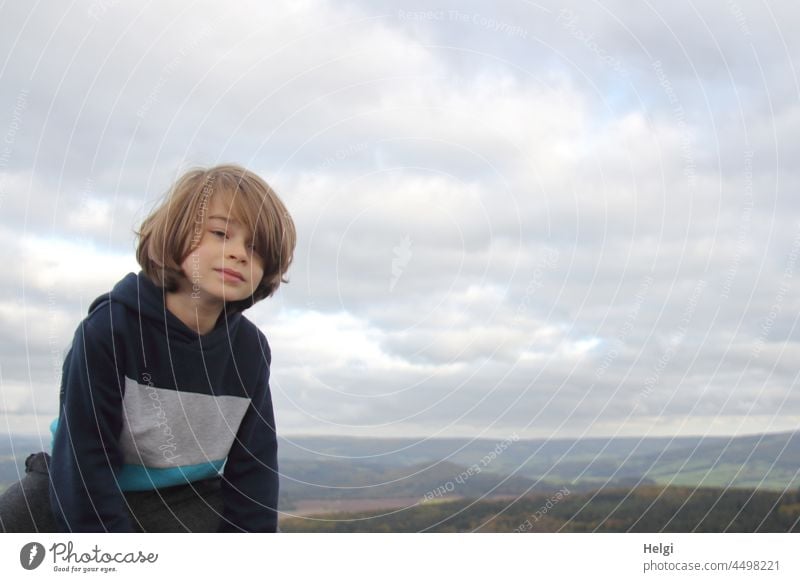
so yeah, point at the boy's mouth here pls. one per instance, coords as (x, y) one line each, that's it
(231, 274)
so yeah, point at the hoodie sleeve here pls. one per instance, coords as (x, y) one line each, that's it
(250, 480)
(84, 493)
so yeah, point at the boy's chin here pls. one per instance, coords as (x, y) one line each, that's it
(234, 297)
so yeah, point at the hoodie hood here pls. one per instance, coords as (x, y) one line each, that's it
(140, 295)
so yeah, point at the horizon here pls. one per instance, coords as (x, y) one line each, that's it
(289, 437)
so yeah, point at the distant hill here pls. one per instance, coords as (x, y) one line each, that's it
(360, 480)
(764, 461)
(769, 461)
(397, 451)
(351, 468)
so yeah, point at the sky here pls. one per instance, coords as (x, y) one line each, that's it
(538, 219)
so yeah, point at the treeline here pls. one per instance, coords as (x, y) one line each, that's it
(645, 509)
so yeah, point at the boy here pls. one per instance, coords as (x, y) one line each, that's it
(166, 383)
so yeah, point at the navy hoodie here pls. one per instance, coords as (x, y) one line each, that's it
(147, 403)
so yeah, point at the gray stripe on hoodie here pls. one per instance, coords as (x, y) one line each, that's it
(165, 428)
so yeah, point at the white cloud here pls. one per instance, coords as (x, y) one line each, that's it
(72, 268)
(476, 209)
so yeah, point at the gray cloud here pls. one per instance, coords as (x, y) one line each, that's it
(504, 212)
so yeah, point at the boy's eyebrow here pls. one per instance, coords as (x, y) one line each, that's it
(224, 219)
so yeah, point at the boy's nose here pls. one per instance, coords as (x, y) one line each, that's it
(235, 249)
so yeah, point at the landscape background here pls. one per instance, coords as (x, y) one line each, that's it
(685, 484)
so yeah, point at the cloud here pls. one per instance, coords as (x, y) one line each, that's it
(504, 212)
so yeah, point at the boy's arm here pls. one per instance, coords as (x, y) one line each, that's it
(250, 480)
(84, 493)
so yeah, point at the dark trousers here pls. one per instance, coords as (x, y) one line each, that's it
(196, 507)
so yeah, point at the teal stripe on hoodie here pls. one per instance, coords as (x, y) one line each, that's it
(133, 477)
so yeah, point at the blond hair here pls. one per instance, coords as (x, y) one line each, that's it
(170, 233)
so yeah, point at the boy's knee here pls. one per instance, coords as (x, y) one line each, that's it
(38, 463)
(25, 505)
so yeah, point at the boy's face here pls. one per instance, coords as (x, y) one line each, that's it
(223, 267)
